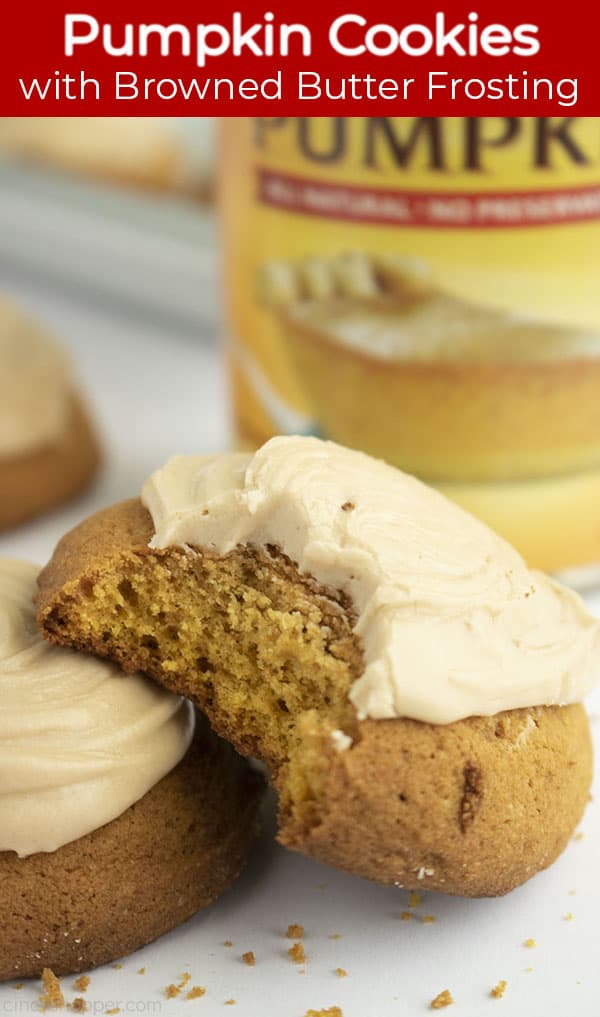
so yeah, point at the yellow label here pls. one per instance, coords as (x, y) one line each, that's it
(427, 289)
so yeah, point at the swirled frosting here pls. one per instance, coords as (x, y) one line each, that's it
(79, 742)
(35, 383)
(452, 622)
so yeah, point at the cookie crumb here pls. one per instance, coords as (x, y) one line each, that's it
(428, 919)
(112, 1013)
(249, 958)
(405, 916)
(230, 1002)
(530, 944)
(183, 980)
(82, 983)
(528, 970)
(332, 1011)
(569, 916)
(348, 506)
(442, 1000)
(117, 967)
(141, 971)
(296, 953)
(335, 935)
(341, 972)
(195, 992)
(295, 931)
(172, 991)
(52, 998)
(498, 991)
(79, 1004)
(414, 899)
(579, 836)
(228, 944)
(18, 986)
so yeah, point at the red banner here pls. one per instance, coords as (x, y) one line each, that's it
(342, 58)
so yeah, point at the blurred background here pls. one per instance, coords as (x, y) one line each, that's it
(109, 245)
(119, 263)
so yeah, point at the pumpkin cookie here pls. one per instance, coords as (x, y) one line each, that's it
(412, 685)
(48, 447)
(117, 821)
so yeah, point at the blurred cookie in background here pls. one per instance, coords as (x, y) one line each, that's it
(49, 450)
(167, 154)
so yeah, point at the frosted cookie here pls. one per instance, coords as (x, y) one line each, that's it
(116, 822)
(412, 685)
(48, 447)
(151, 153)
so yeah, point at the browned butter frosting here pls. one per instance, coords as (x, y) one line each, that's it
(35, 383)
(79, 741)
(452, 621)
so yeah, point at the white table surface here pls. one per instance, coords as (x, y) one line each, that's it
(156, 394)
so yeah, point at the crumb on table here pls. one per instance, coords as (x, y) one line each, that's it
(196, 992)
(52, 998)
(249, 958)
(295, 931)
(569, 916)
(183, 980)
(530, 944)
(335, 935)
(112, 1013)
(228, 944)
(117, 966)
(230, 1002)
(18, 986)
(331, 1011)
(82, 983)
(141, 971)
(79, 1004)
(296, 953)
(428, 919)
(172, 991)
(442, 1000)
(406, 916)
(414, 899)
(341, 972)
(498, 991)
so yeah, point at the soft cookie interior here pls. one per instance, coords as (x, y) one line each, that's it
(474, 807)
(260, 647)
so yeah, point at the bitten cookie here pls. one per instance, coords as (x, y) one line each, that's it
(117, 821)
(48, 447)
(411, 684)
